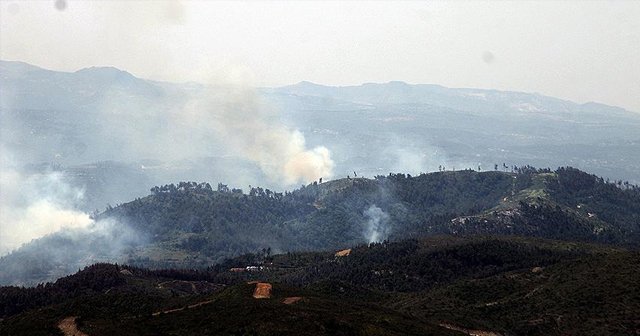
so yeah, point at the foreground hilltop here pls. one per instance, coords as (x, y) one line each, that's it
(194, 225)
(442, 285)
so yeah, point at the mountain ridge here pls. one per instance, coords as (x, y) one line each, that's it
(112, 70)
(194, 225)
(415, 127)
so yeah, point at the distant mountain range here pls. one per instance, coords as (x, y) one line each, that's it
(420, 127)
(105, 114)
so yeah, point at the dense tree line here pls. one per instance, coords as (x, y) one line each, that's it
(615, 203)
(221, 223)
(496, 283)
(414, 265)
(214, 224)
(92, 279)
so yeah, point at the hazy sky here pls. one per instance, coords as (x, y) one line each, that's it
(583, 50)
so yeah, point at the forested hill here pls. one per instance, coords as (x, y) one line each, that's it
(194, 225)
(208, 225)
(434, 286)
(317, 216)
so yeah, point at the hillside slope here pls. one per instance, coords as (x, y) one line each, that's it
(435, 286)
(565, 204)
(191, 225)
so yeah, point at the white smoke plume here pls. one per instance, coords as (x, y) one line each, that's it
(44, 236)
(377, 226)
(67, 250)
(254, 131)
(34, 205)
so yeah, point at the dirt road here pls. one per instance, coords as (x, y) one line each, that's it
(470, 332)
(182, 308)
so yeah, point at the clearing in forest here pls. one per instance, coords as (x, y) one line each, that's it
(343, 253)
(262, 291)
(69, 327)
(292, 300)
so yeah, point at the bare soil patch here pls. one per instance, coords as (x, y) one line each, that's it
(262, 291)
(292, 300)
(343, 253)
(69, 327)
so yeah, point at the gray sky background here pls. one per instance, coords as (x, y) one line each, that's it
(578, 50)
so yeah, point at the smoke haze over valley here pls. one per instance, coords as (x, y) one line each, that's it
(101, 136)
(179, 167)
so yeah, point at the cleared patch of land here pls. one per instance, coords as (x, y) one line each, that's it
(69, 327)
(292, 300)
(262, 291)
(343, 253)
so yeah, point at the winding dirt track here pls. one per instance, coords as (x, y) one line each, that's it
(183, 308)
(69, 327)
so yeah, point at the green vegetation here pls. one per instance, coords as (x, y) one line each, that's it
(191, 225)
(465, 250)
(506, 285)
(195, 226)
(592, 295)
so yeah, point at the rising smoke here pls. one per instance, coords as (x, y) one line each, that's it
(377, 226)
(67, 250)
(44, 233)
(34, 205)
(253, 130)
